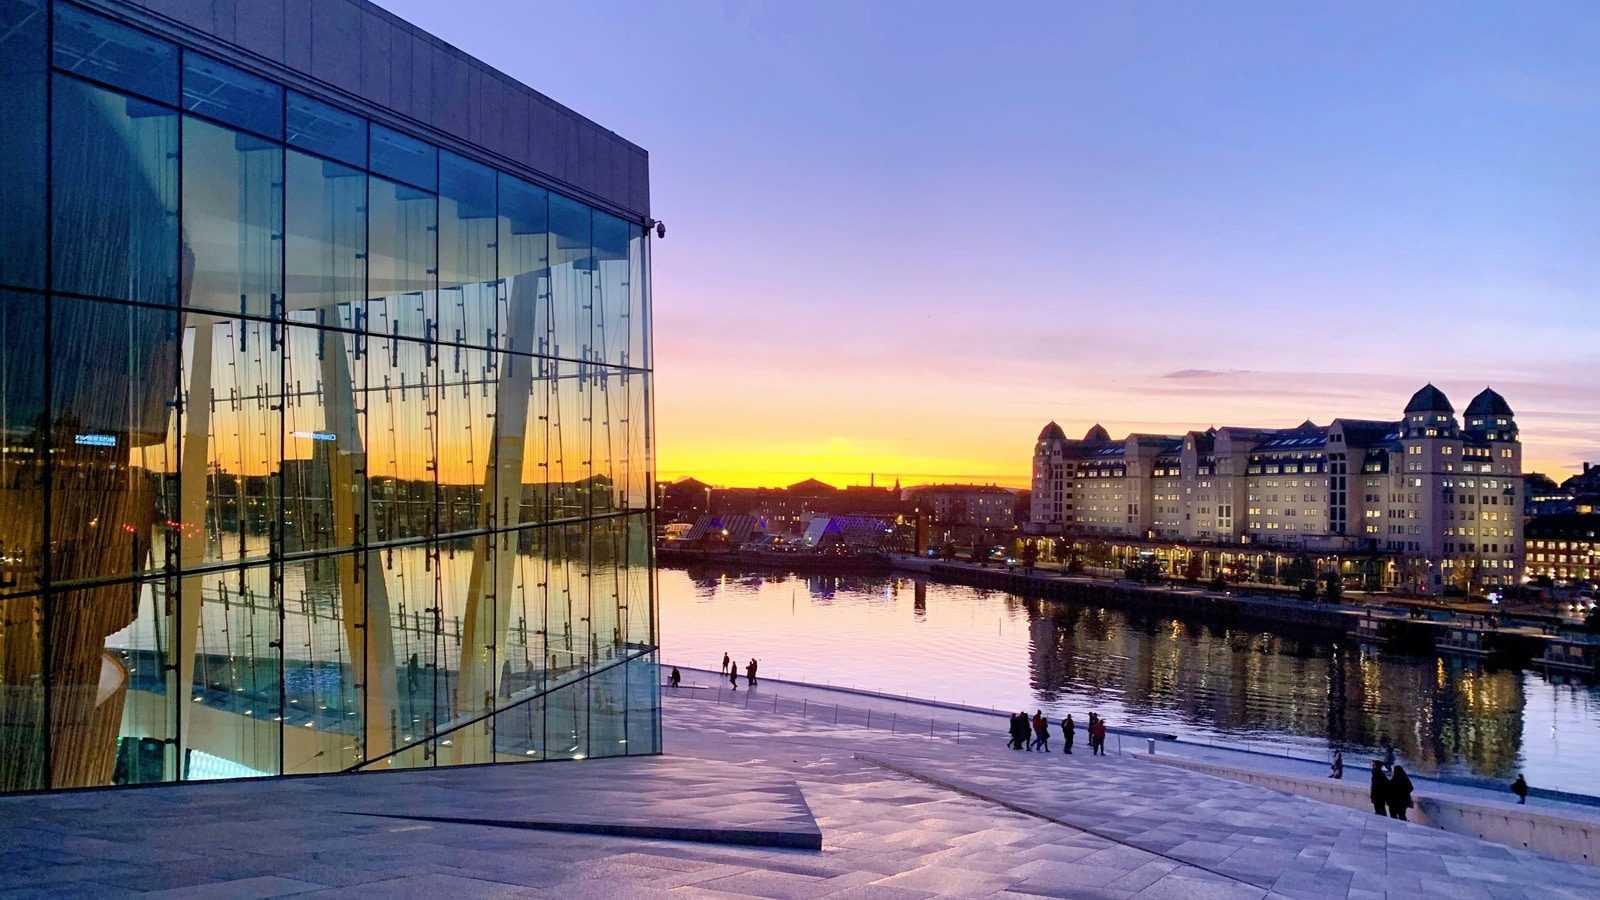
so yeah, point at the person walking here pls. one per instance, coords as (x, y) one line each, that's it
(1041, 732)
(726, 661)
(1399, 793)
(1336, 770)
(1520, 788)
(755, 664)
(1068, 727)
(1019, 730)
(675, 678)
(733, 675)
(1380, 789)
(1098, 736)
(750, 673)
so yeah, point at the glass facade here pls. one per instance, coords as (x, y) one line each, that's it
(322, 448)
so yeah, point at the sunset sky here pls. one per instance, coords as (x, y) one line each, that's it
(902, 237)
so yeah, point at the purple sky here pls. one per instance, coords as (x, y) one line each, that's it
(904, 236)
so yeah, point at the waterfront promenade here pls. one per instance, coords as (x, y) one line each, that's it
(899, 814)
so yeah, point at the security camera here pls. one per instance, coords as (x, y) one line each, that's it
(661, 229)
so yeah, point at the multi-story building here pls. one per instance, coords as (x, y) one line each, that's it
(1438, 499)
(324, 402)
(1565, 548)
(981, 505)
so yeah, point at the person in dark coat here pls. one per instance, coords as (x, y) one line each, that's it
(677, 677)
(1520, 788)
(1041, 731)
(1399, 793)
(1019, 730)
(1068, 728)
(1380, 789)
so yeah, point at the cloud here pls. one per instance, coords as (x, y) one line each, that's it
(1205, 373)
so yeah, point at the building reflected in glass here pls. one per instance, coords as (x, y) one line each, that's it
(326, 432)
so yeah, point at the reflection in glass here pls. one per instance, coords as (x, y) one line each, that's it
(232, 220)
(114, 200)
(22, 141)
(96, 47)
(403, 263)
(321, 495)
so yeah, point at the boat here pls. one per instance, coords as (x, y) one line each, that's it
(1579, 654)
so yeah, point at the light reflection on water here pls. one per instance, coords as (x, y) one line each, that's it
(1201, 680)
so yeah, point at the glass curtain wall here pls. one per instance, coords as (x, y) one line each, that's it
(324, 449)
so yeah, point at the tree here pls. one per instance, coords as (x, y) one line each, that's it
(1300, 570)
(1192, 570)
(1030, 554)
(1332, 587)
(1144, 570)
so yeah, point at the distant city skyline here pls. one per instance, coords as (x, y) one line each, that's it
(900, 236)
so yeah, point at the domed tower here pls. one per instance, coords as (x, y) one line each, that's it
(1046, 513)
(1097, 435)
(1490, 416)
(1429, 414)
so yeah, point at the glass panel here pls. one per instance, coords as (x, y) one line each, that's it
(530, 416)
(402, 268)
(621, 474)
(524, 252)
(403, 158)
(222, 92)
(469, 648)
(466, 413)
(612, 316)
(608, 708)
(571, 264)
(150, 712)
(637, 587)
(109, 52)
(114, 440)
(644, 709)
(232, 435)
(22, 443)
(570, 461)
(22, 716)
(326, 240)
(324, 452)
(403, 440)
(114, 171)
(234, 716)
(638, 305)
(326, 131)
(467, 228)
(322, 664)
(232, 220)
(112, 713)
(22, 141)
(407, 630)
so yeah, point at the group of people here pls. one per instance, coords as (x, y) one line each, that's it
(1033, 733)
(1391, 786)
(730, 668)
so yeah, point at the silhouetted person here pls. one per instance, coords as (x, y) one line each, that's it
(411, 673)
(733, 675)
(726, 660)
(1336, 770)
(1041, 731)
(1380, 789)
(1520, 788)
(1098, 735)
(1399, 793)
(755, 666)
(1019, 731)
(1068, 729)
(675, 677)
(750, 673)
(505, 680)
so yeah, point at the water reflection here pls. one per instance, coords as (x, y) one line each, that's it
(1296, 690)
